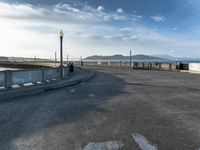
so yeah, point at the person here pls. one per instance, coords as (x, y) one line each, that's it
(81, 63)
(71, 67)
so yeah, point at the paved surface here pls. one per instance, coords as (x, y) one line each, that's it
(126, 110)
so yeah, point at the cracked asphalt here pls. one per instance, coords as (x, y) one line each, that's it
(162, 106)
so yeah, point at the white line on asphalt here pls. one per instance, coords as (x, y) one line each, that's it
(143, 143)
(110, 145)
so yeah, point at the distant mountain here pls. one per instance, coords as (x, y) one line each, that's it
(123, 58)
(13, 59)
(189, 59)
(171, 58)
(167, 57)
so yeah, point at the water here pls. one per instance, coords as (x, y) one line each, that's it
(159, 61)
(4, 68)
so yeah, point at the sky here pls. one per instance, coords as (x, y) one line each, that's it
(31, 28)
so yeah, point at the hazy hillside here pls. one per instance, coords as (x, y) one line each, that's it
(2, 58)
(168, 57)
(121, 57)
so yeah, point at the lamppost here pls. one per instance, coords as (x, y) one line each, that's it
(61, 54)
(130, 58)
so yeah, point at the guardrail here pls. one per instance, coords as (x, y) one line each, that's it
(10, 78)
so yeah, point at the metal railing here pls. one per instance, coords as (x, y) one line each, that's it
(11, 78)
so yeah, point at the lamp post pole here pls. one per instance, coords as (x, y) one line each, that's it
(130, 58)
(61, 54)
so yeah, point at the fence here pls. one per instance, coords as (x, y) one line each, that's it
(10, 78)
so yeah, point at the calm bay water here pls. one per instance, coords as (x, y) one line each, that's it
(3, 69)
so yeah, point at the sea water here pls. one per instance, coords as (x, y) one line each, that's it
(4, 68)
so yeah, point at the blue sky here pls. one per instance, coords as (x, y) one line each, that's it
(101, 27)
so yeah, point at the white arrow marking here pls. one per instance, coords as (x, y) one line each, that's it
(143, 143)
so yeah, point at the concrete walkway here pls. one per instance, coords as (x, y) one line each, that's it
(116, 110)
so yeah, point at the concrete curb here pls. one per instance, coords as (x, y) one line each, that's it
(38, 88)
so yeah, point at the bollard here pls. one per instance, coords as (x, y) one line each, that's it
(8, 79)
(170, 66)
(143, 65)
(160, 66)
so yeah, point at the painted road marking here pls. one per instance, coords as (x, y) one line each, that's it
(143, 143)
(110, 145)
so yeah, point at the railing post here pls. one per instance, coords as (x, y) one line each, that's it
(8, 79)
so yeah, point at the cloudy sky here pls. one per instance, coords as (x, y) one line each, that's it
(103, 27)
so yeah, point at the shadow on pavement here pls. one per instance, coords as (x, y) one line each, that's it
(29, 115)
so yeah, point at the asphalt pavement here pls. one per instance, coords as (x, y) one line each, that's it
(116, 110)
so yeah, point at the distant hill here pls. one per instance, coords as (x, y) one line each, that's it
(2, 58)
(171, 58)
(123, 58)
(167, 57)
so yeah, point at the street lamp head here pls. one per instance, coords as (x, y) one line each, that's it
(61, 33)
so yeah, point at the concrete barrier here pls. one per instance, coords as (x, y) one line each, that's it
(166, 66)
(76, 78)
(2, 79)
(9, 78)
(194, 67)
(21, 77)
(50, 74)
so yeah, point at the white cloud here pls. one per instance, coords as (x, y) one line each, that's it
(120, 10)
(132, 37)
(116, 17)
(107, 18)
(20, 10)
(100, 8)
(66, 8)
(158, 18)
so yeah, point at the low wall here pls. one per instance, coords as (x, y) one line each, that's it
(24, 65)
(10, 78)
(194, 67)
(133, 65)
